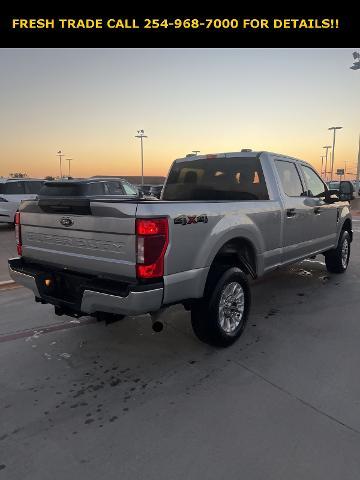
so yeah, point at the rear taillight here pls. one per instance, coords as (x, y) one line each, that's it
(18, 233)
(152, 235)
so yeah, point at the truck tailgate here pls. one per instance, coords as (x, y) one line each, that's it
(100, 242)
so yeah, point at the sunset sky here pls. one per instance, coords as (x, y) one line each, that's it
(89, 103)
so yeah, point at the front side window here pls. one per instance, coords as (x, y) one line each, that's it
(316, 187)
(220, 178)
(289, 178)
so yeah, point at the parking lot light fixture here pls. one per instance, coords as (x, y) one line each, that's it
(356, 66)
(141, 135)
(60, 154)
(326, 158)
(322, 164)
(69, 160)
(333, 150)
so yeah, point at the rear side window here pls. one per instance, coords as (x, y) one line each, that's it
(96, 188)
(290, 179)
(221, 178)
(33, 187)
(14, 188)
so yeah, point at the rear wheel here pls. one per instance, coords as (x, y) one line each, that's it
(337, 260)
(220, 317)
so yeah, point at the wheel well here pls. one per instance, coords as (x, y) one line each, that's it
(236, 252)
(347, 226)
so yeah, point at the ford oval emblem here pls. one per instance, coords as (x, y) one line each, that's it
(66, 221)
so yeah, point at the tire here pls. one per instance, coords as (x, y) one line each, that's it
(210, 317)
(337, 260)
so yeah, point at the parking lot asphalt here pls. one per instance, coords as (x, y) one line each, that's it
(85, 401)
(7, 249)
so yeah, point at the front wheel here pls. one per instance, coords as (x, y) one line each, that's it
(220, 317)
(337, 260)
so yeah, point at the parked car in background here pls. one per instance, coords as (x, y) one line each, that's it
(333, 185)
(12, 192)
(89, 188)
(156, 190)
(354, 184)
(145, 189)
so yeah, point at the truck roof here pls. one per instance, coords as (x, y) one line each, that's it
(243, 153)
(82, 181)
(27, 179)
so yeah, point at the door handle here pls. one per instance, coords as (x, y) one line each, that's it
(290, 212)
(317, 210)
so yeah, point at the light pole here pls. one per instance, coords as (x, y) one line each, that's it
(357, 172)
(356, 66)
(141, 135)
(60, 155)
(322, 164)
(326, 157)
(333, 150)
(69, 160)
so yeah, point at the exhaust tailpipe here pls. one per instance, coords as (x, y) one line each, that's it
(157, 326)
(157, 323)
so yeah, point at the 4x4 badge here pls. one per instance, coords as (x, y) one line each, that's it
(189, 219)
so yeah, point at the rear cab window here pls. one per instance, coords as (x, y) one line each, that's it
(220, 178)
(95, 188)
(33, 187)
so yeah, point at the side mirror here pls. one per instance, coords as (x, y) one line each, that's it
(346, 191)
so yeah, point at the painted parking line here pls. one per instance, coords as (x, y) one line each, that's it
(8, 337)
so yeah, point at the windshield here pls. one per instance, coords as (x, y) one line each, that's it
(222, 178)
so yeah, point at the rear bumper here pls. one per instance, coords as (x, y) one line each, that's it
(22, 278)
(135, 303)
(134, 300)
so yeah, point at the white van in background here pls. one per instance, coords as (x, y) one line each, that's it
(12, 192)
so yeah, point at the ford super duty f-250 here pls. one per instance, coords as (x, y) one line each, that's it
(221, 218)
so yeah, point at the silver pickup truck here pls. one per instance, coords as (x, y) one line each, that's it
(221, 218)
